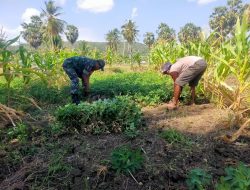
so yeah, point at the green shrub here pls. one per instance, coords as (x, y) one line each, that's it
(109, 115)
(198, 179)
(236, 178)
(124, 159)
(20, 132)
(56, 164)
(131, 131)
(45, 94)
(173, 136)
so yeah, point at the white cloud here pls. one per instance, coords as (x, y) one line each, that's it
(206, 30)
(28, 13)
(11, 33)
(88, 35)
(202, 2)
(134, 13)
(95, 6)
(60, 2)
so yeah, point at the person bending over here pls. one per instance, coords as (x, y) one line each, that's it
(188, 69)
(81, 67)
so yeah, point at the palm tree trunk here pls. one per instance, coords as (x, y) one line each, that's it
(124, 45)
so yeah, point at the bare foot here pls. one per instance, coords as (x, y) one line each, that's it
(171, 106)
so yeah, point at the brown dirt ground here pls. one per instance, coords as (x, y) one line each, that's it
(197, 119)
(166, 165)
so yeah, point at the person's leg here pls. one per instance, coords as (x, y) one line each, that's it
(192, 75)
(74, 84)
(201, 68)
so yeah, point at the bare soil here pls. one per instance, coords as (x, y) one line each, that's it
(166, 165)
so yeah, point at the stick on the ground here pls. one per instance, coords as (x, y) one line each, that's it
(139, 183)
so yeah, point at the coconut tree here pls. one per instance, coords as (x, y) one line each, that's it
(71, 33)
(113, 39)
(165, 33)
(149, 39)
(130, 33)
(53, 26)
(32, 32)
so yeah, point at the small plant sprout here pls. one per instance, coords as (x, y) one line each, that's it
(125, 160)
(198, 179)
(236, 178)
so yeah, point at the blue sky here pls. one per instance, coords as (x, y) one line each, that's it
(94, 18)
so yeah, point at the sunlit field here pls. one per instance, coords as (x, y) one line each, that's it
(121, 135)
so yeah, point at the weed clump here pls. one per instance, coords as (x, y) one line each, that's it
(236, 178)
(126, 160)
(198, 179)
(173, 136)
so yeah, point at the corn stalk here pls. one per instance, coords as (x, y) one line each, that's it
(6, 60)
(231, 79)
(6, 57)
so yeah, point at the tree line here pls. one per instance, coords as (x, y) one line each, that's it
(48, 29)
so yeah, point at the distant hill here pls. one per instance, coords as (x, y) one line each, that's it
(137, 47)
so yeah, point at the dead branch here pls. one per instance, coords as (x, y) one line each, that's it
(7, 113)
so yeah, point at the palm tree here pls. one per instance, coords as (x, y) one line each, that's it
(113, 39)
(53, 26)
(149, 39)
(71, 33)
(130, 33)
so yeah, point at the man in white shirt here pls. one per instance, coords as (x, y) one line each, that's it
(188, 69)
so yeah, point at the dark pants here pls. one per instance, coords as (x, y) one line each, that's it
(71, 72)
(192, 74)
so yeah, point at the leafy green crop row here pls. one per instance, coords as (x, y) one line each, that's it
(146, 88)
(109, 115)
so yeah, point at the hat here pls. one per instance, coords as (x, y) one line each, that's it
(101, 64)
(166, 67)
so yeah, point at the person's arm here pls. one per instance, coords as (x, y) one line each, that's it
(177, 88)
(192, 94)
(177, 93)
(174, 75)
(85, 82)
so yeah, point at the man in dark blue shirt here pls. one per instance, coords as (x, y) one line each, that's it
(81, 67)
